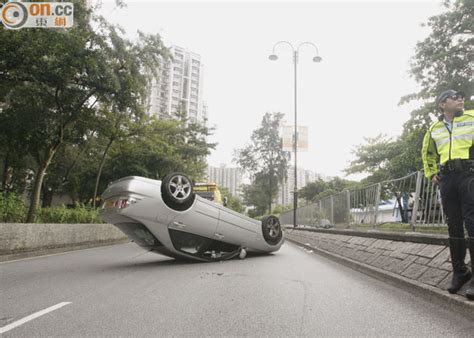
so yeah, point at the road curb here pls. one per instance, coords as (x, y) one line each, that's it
(454, 302)
(56, 250)
(412, 237)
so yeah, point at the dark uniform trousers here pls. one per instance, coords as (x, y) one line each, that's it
(457, 195)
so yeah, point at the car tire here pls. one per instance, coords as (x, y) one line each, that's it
(177, 191)
(271, 229)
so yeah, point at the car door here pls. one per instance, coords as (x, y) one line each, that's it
(201, 219)
(236, 228)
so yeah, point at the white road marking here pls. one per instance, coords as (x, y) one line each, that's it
(31, 317)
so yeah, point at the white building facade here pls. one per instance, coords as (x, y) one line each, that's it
(230, 178)
(285, 191)
(179, 87)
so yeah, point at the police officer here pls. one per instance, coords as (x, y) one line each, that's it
(450, 140)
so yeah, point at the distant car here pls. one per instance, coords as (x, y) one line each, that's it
(326, 224)
(167, 217)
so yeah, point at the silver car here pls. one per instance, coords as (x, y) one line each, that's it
(167, 217)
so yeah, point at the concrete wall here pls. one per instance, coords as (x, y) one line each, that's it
(22, 240)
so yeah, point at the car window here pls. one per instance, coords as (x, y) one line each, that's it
(200, 246)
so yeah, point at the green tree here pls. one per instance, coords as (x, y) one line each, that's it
(444, 60)
(52, 90)
(255, 194)
(279, 209)
(316, 190)
(374, 158)
(265, 161)
(164, 146)
(124, 116)
(73, 168)
(312, 190)
(233, 202)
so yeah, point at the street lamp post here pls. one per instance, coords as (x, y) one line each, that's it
(317, 58)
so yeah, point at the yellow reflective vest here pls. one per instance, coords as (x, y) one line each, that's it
(440, 143)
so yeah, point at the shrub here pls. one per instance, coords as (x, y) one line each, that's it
(61, 214)
(12, 208)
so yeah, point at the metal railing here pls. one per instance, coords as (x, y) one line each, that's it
(411, 199)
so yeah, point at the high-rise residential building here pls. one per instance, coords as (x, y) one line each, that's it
(179, 86)
(285, 192)
(230, 178)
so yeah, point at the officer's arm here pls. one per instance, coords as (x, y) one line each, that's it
(429, 156)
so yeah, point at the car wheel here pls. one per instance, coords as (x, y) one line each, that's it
(271, 229)
(177, 191)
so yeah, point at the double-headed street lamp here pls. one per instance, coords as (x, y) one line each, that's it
(317, 58)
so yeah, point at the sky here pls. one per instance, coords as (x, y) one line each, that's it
(366, 48)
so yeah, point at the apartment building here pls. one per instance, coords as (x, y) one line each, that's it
(179, 87)
(230, 178)
(285, 192)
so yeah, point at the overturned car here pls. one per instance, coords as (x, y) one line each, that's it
(169, 218)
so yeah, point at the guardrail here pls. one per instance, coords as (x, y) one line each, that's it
(411, 199)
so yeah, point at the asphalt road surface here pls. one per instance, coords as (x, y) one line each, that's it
(124, 291)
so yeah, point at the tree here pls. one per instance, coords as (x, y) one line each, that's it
(316, 190)
(192, 147)
(256, 195)
(49, 94)
(164, 146)
(233, 202)
(444, 60)
(374, 158)
(265, 161)
(312, 190)
(123, 117)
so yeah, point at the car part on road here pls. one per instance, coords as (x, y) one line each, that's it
(243, 253)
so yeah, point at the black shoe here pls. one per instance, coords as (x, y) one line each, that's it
(461, 274)
(470, 289)
(459, 279)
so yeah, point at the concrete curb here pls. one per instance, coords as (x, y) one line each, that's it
(56, 250)
(454, 302)
(412, 237)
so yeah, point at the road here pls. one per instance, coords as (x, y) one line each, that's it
(123, 290)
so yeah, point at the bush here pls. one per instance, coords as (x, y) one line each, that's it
(61, 214)
(12, 208)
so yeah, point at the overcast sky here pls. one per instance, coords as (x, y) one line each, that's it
(353, 93)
